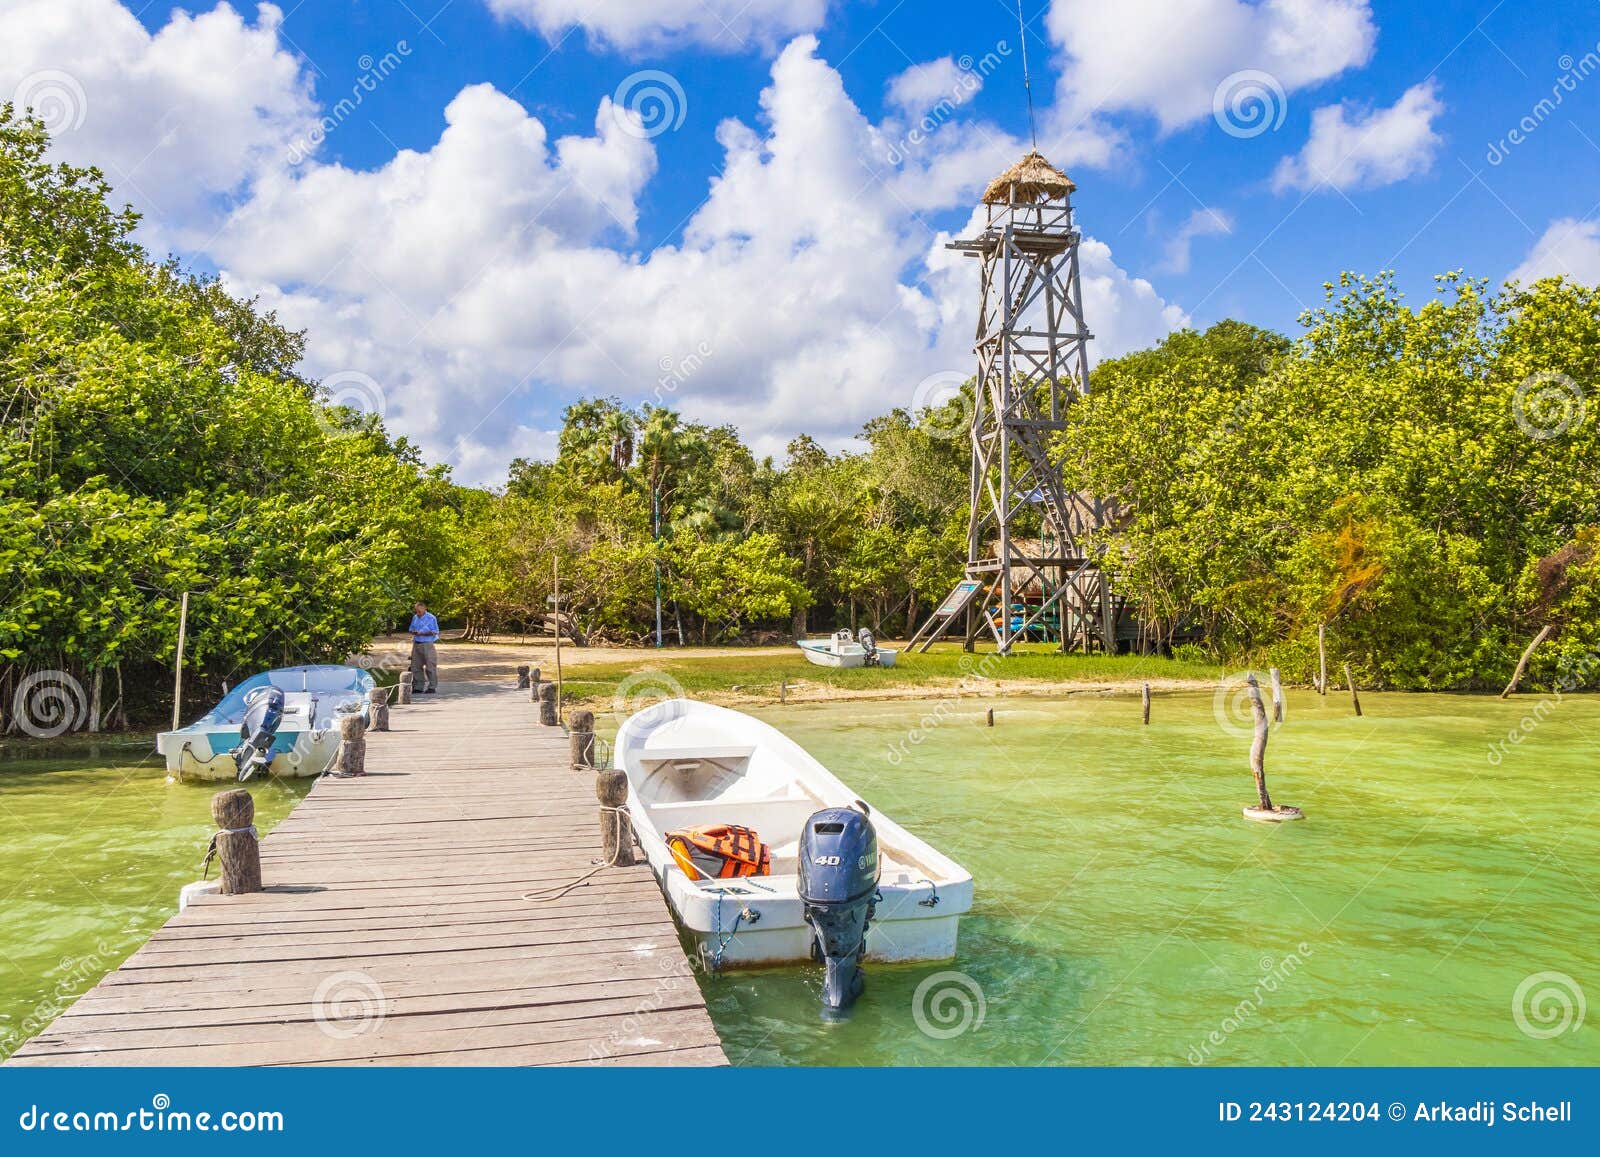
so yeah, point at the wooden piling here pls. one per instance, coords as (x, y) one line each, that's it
(404, 688)
(1145, 696)
(378, 709)
(1265, 810)
(352, 757)
(616, 829)
(1277, 695)
(522, 675)
(988, 717)
(1322, 659)
(237, 846)
(582, 738)
(783, 691)
(1355, 700)
(547, 704)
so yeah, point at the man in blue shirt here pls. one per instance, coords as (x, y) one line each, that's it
(424, 655)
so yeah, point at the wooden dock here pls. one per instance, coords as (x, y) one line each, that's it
(394, 928)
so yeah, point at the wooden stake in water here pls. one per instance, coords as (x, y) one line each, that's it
(1258, 763)
(1146, 698)
(1355, 700)
(1277, 695)
(177, 679)
(988, 718)
(1322, 659)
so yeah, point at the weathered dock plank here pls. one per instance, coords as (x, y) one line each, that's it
(394, 927)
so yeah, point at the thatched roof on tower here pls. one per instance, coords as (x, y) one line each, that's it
(1031, 179)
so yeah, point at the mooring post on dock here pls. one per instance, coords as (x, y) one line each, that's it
(1277, 695)
(547, 704)
(352, 757)
(582, 737)
(522, 675)
(1349, 679)
(533, 684)
(1145, 697)
(404, 688)
(378, 708)
(616, 830)
(237, 846)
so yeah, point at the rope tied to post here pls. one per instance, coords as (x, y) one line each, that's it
(544, 895)
(211, 848)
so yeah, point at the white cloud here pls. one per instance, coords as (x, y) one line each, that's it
(486, 281)
(1569, 248)
(178, 120)
(933, 84)
(1353, 150)
(1168, 57)
(1205, 222)
(725, 25)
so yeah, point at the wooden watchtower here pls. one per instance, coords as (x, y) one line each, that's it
(1028, 572)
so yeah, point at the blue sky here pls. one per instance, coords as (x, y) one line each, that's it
(773, 252)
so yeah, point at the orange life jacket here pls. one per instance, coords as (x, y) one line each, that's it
(720, 851)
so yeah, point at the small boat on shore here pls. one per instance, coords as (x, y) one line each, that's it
(766, 857)
(842, 649)
(283, 722)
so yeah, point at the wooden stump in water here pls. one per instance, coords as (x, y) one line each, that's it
(616, 829)
(238, 847)
(582, 737)
(378, 709)
(1145, 697)
(522, 676)
(404, 688)
(352, 757)
(1355, 700)
(547, 704)
(1266, 810)
(988, 717)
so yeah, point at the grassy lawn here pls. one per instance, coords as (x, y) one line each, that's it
(760, 674)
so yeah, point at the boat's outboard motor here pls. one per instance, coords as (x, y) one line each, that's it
(839, 888)
(869, 645)
(258, 732)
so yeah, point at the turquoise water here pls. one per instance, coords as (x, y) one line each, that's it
(93, 851)
(1126, 914)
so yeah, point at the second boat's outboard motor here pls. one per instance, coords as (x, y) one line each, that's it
(258, 732)
(839, 889)
(869, 645)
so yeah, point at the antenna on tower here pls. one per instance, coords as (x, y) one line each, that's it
(1027, 86)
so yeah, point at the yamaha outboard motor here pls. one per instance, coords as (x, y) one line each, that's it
(258, 732)
(869, 645)
(839, 889)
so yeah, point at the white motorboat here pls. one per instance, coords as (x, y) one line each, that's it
(304, 738)
(695, 766)
(842, 649)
